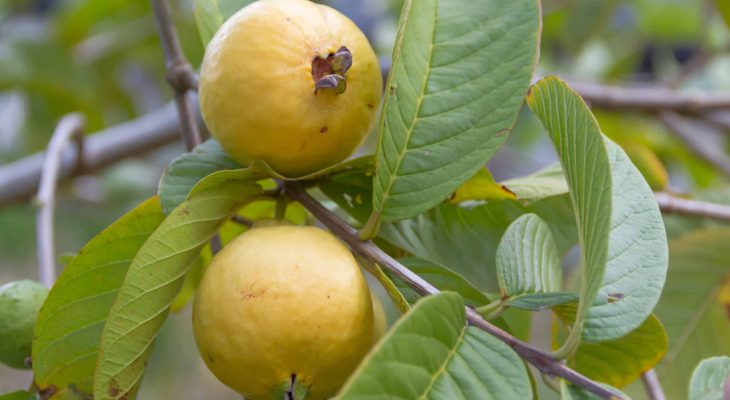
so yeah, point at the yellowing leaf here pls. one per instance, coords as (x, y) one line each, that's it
(621, 361)
(481, 186)
(648, 163)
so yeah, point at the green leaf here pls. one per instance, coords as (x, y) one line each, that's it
(621, 361)
(481, 186)
(527, 258)
(466, 240)
(637, 254)
(188, 169)
(352, 192)
(445, 279)
(192, 280)
(442, 278)
(211, 14)
(547, 182)
(439, 357)
(709, 379)
(541, 301)
(724, 8)
(584, 159)
(696, 321)
(156, 276)
(69, 326)
(460, 72)
(569, 391)
(19, 395)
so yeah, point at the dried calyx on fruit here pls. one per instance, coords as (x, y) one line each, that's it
(329, 73)
(290, 82)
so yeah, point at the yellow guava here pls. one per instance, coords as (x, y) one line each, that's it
(283, 308)
(289, 82)
(20, 302)
(380, 323)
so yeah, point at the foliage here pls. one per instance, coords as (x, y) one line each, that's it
(441, 358)
(582, 237)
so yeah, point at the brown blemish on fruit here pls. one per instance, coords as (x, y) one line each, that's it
(323, 129)
(371, 106)
(251, 294)
(210, 359)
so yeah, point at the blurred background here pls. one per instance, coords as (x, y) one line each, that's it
(103, 58)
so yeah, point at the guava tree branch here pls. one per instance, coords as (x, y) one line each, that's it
(179, 73)
(649, 98)
(540, 359)
(69, 128)
(19, 179)
(652, 385)
(670, 204)
(707, 151)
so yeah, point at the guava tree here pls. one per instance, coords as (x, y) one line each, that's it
(288, 89)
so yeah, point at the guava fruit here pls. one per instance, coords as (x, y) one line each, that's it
(283, 309)
(20, 302)
(380, 323)
(289, 82)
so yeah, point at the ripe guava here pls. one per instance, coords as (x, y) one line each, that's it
(380, 323)
(20, 302)
(283, 308)
(289, 82)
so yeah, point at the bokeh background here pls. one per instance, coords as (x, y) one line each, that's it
(103, 58)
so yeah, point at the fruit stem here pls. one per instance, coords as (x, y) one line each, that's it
(281, 203)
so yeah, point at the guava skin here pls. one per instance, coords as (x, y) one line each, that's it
(380, 323)
(257, 92)
(20, 302)
(280, 301)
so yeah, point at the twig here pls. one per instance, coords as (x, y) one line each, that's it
(242, 221)
(19, 180)
(184, 82)
(712, 154)
(540, 359)
(649, 98)
(651, 383)
(719, 119)
(69, 128)
(179, 73)
(670, 204)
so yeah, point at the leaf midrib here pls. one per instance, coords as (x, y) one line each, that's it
(442, 368)
(409, 132)
(693, 322)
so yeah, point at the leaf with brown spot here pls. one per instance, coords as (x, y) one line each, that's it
(156, 275)
(68, 329)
